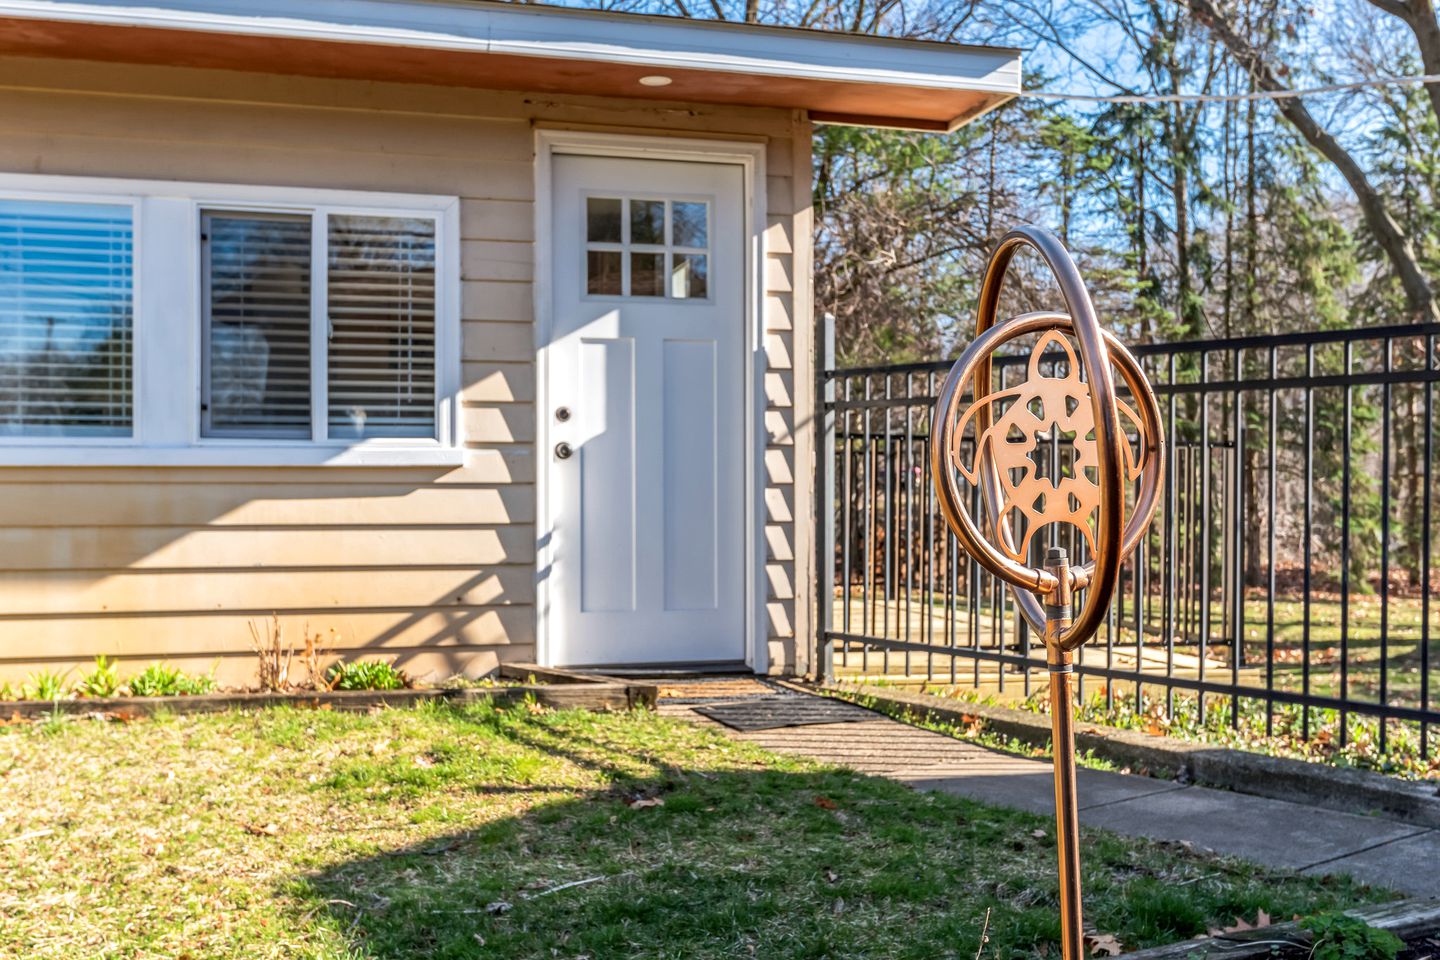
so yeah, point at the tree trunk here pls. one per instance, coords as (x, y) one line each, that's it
(1387, 232)
(1180, 194)
(1419, 16)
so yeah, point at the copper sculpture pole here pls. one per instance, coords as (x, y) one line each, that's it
(1091, 498)
(1058, 618)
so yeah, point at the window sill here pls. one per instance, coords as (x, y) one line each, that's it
(229, 455)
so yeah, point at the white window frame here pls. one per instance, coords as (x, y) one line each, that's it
(167, 316)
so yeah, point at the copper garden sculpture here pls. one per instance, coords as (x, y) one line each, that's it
(1075, 402)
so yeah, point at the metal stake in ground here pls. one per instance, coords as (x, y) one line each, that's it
(1104, 444)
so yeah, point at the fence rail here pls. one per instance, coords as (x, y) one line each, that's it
(1289, 570)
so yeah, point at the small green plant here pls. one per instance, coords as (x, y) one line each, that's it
(366, 675)
(1339, 936)
(44, 685)
(7, 692)
(103, 680)
(162, 680)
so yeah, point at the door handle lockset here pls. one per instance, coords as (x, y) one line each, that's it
(563, 451)
(562, 414)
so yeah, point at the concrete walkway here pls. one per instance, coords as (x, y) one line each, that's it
(1277, 833)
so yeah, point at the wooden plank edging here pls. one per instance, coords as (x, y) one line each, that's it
(606, 694)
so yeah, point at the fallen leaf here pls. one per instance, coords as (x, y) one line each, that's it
(498, 907)
(831, 876)
(1106, 944)
(640, 803)
(838, 907)
(1038, 834)
(266, 830)
(825, 803)
(1262, 919)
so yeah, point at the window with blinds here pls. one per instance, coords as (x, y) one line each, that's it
(66, 319)
(381, 294)
(257, 353)
(376, 363)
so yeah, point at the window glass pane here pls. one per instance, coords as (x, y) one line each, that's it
(257, 356)
(602, 220)
(382, 327)
(647, 221)
(66, 275)
(688, 276)
(647, 274)
(688, 224)
(602, 270)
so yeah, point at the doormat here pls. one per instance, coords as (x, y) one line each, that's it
(768, 713)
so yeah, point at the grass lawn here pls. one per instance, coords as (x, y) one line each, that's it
(442, 833)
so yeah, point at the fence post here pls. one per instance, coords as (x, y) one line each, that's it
(825, 502)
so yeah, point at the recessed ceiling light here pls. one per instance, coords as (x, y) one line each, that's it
(656, 80)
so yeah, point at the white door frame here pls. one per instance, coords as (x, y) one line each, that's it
(750, 156)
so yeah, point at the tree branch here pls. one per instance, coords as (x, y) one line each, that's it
(1387, 232)
(1419, 16)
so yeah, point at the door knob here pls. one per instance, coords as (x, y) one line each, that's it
(563, 451)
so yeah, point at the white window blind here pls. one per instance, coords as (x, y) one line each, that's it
(381, 295)
(66, 318)
(257, 270)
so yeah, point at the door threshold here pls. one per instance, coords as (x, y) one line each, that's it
(671, 671)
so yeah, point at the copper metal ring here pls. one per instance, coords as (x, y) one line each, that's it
(1114, 539)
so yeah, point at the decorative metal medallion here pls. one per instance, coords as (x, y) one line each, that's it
(1054, 406)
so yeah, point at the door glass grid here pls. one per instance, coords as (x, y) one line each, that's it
(647, 248)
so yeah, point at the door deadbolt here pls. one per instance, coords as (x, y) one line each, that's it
(563, 450)
(562, 414)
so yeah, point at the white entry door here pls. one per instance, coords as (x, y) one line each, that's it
(645, 387)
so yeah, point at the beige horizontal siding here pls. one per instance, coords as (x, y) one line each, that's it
(433, 567)
(106, 549)
(77, 637)
(88, 504)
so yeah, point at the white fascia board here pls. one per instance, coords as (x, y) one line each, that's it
(660, 42)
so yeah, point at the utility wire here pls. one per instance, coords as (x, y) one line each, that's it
(1231, 97)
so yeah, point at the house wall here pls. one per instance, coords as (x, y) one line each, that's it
(431, 566)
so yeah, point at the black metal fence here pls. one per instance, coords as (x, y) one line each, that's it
(1289, 568)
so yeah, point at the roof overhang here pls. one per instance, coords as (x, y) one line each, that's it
(838, 78)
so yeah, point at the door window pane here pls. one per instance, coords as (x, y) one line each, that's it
(66, 319)
(381, 289)
(688, 276)
(647, 274)
(602, 219)
(689, 224)
(603, 272)
(257, 351)
(647, 221)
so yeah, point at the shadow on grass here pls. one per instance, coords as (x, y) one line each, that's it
(778, 860)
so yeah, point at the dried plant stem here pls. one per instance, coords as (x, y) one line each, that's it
(274, 656)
